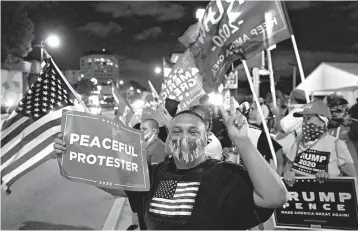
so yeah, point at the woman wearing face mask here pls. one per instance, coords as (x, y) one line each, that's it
(316, 152)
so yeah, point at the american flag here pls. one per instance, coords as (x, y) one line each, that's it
(27, 135)
(125, 111)
(174, 198)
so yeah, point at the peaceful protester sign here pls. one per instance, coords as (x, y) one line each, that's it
(103, 153)
(311, 205)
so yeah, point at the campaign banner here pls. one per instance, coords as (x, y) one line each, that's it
(183, 83)
(311, 162)
(232, 30)
(103, 153)
(232, 80)
(311, 205)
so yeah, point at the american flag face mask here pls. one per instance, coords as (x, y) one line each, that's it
(187, 150)
(311, 132)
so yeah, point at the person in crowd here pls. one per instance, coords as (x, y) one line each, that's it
(155, 151)
(289, 123)
(218, 127)
(341, 125)
(316, 152)
(193, 191)
(213, 148)
(354, 110)
(353, 132)
(259, 139)
(257, 120)
(289, 127)
(155, 147)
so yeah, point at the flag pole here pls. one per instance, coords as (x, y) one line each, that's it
(259, 109)
(300, 68)
(153, 89)
(272, 81)
(66, 81)
(263, 58)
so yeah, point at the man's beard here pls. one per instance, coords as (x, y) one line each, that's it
(187, 150)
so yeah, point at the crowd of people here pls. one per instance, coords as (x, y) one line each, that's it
(220, 170)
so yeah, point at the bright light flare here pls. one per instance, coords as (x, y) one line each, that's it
(94, 81)
(158, 70)
(200, 14)
(215, 99)
(9, 103)
(53, 41)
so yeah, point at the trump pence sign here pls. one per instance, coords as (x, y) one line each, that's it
(103, 153)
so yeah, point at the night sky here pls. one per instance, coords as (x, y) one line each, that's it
(142, 32)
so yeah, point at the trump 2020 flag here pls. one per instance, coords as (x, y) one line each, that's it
(184, 83)
(27, 135)
(231, 30)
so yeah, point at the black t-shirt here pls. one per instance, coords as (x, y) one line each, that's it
(213, 195)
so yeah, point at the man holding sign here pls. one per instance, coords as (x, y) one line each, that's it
(316, 152)
(195, 192)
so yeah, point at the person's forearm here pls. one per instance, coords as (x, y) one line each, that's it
(266, 182)
(348, 170)
(288, 166)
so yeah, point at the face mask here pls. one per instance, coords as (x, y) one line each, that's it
(186, 150)
(149, 137)
(311, 132)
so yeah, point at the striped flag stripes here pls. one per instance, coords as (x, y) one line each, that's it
(27, 135)
(174, 198)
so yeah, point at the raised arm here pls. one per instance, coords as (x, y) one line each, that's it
(269, 190)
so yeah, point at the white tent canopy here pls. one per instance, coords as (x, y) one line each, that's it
(341, 78)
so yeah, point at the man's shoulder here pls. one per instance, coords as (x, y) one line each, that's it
(157, 145)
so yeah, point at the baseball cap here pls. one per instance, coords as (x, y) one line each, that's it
(315, 108)
(298, 94)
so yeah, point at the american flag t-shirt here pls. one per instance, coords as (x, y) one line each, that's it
(174, 198)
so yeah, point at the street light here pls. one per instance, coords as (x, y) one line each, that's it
(158, 70)
(200, 13)
(120, 82)
(51, 40)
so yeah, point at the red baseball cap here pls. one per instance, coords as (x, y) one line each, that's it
(315, 108)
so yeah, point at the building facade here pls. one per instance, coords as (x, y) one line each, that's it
(101, 65)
